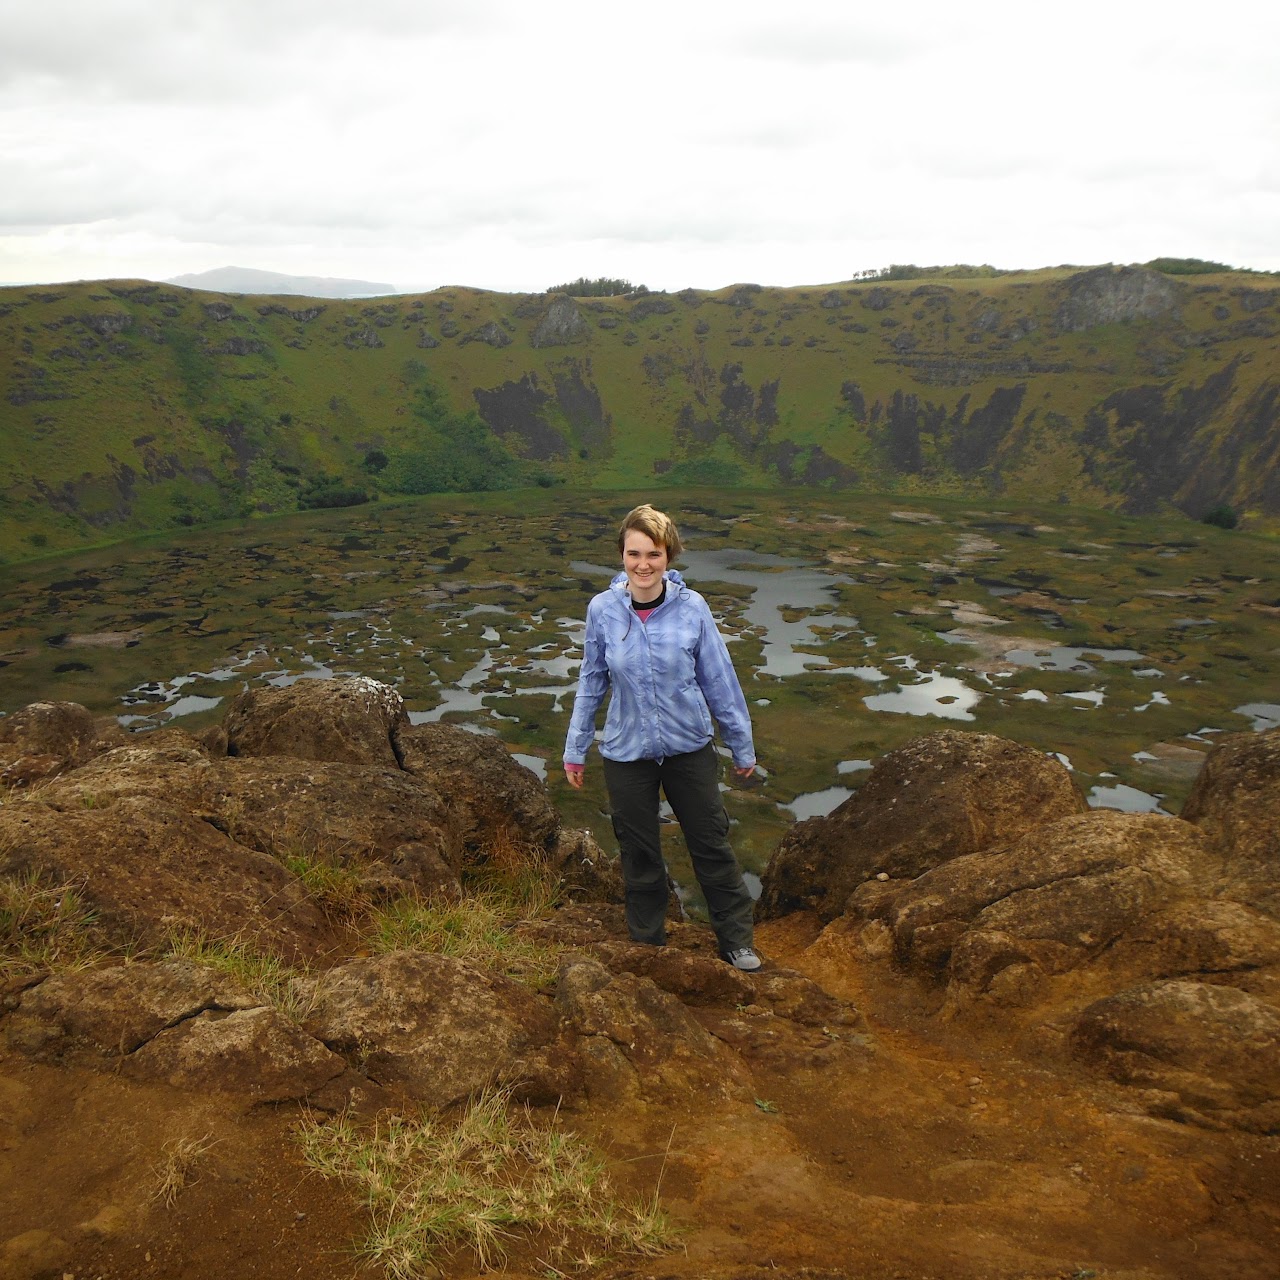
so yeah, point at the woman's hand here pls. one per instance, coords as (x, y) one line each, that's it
(742, 773)
(574, 774)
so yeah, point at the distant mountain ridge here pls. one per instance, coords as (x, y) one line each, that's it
(129, 407)
(251, 280)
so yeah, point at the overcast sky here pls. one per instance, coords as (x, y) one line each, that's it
(517, 145)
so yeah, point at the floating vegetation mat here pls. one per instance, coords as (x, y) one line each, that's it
(1122, 645)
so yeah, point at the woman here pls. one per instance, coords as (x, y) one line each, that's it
(653, 646)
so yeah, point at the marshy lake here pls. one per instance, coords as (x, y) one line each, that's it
(1122, 645)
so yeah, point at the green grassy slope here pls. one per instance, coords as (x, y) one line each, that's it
(129, 407)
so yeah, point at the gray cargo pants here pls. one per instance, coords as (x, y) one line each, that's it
(691, 785)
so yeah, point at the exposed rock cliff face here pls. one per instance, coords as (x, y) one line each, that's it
(563, 323)
(1114, 295)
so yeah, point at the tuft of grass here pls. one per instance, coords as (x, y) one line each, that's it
(480, 928)
(335, 889)
(46, 926)
(437, 1186)
(177, 1167)
(261, 974)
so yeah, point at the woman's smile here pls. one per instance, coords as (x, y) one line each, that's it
(645, 562)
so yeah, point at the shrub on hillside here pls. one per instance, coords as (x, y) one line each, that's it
(1222, 515)
(1187, 266)
(603, 287)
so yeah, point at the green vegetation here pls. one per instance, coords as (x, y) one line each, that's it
(447, 452)
(436, 1186)
(909, 271)
(601, 287)
(1224, 516)
(45, 926)
(132, 409)
(1189, 266)
(509, 885)
(260, 973)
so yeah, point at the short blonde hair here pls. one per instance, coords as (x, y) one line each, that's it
(655, 525)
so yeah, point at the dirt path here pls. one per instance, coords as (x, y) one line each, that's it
(907, 1152)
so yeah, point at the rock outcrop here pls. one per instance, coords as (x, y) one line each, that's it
(44, 739)
(343, 721)
(936, 798)
(1235, 802)
(1114, 295)
(1205, 1052)
(1038, 969)
(966, 867)
(440, 1029)
(562, 324)
(494, 799)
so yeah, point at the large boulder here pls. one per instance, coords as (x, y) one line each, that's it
(495, 800)
(44, 739)
(637, 1041)
(440, 1029)
(347, 721)
(1209, 1053)
(937, 798)
(255, 1054)
(382, 822)
(149, 871)
(347, 814)
(1063, 897)
(111, 1012)
(1235, 802)
(172, 775)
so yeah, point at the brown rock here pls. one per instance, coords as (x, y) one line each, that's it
(149, 870)
(694, 976)
(586, 872)
(440, 1029)
(419, 866)
(344, 721)
(111, 1012)
(1057, 898)
(1209, 936)
(1235, 801)
(44, 738)
(636, 1040)
(25, 771)
(497, 802)
(1216, 1050)
(34, 1255)
(174, 775)
(253, 1053)
(345, 814)
(936, 798)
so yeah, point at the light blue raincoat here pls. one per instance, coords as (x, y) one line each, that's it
(666, 678)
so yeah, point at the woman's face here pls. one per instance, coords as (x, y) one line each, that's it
(645, 562)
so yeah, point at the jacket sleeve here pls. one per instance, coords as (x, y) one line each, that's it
(593, 684)
(719, 684)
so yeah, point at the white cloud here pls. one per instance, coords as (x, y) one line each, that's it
(511, 146)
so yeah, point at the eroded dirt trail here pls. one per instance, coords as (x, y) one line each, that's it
(912, 1154)
(896, 1150)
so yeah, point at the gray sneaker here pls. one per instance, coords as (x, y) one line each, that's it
(743, 958)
